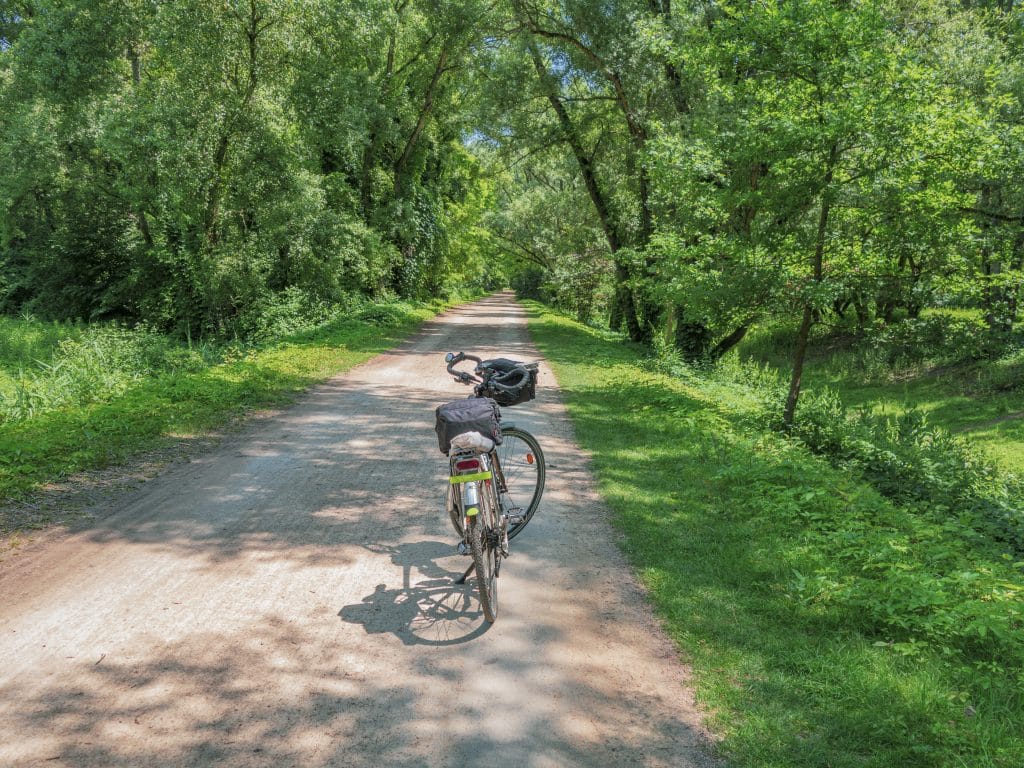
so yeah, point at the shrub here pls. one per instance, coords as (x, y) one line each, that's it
(98, 362)
(381, 314)
(914, 463)
(937, 337)
(284, 313)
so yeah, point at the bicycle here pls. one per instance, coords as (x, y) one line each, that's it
(496, 471)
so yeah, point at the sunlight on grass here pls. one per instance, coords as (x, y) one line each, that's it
(826, 626)
(966, 398)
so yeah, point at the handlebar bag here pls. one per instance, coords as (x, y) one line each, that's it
(504, 368)
(474, 414)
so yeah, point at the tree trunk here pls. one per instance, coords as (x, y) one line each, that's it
(729, 341)
(803, 335)
(213, 197)
(615, 313)
(1016, 264)
(140, 212)
(421, 121)
(799, 354)
(994, 297)
(626, 303)
(366, 175)
(597, 197)
(253, 31)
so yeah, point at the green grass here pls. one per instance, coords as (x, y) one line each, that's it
(24, 341)
(982, 400)
(991, 420)
(146, 411)
(825, 626)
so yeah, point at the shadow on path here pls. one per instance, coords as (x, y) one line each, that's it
(433, 611)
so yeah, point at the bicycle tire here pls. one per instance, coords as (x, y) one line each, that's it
(485, 561)
(523, 479)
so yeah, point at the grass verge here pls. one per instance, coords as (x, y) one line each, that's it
(59, 442)
(826, 626)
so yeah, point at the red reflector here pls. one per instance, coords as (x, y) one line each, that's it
(529, 458)
(465, 464)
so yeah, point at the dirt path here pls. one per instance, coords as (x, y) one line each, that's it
(287, 600)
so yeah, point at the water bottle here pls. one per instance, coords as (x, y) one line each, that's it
(470, 500)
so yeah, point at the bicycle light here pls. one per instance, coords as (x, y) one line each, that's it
(465, 465)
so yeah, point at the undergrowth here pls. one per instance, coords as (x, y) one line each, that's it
(93, 365)
(96, 395)
(827, 624)
(903, 456)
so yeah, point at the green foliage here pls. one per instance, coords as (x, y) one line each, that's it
(543, 231)
(904, 456)
(530, 284)
(791, 585)
(100, 362)
(108, 392)
(914, 463)
(980, 400)
(26, 339)
(194, 167)
(286, 313)
(820, 132)
(936, 337)
(582, 285)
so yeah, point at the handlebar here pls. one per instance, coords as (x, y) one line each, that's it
(454, 358)
(485, 376)
(524, 374)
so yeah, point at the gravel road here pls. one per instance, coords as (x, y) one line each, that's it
(287, 599)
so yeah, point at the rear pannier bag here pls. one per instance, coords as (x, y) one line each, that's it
(474, 414)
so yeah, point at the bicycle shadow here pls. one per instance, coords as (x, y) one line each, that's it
(435, 611)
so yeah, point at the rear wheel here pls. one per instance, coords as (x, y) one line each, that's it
(521, 463)
(483, 546)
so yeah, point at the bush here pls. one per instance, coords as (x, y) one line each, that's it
(381, 314)
(284, 313)
(916, 464)
(936, 337)
(93, 365)
(24, 340)
(581, 284)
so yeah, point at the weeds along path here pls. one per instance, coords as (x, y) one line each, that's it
(288, 600)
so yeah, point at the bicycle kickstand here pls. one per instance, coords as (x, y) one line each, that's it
(463, 577)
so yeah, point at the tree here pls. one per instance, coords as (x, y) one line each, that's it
(816, 122)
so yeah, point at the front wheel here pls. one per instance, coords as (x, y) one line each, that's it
(520, 461)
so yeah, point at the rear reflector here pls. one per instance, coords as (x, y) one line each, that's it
(467, 464)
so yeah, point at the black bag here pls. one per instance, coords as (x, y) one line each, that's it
(503, 367)
(474, 414)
